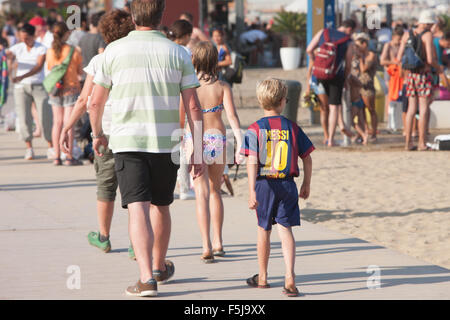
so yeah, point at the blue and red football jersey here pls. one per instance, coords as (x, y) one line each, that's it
(277, 142)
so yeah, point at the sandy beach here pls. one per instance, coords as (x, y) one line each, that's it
(378, 193)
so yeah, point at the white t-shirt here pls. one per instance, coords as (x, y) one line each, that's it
(91, 70)
(27, 60)
(188, 51)
(47, 40)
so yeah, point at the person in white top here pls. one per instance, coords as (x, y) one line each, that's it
(113, 25)
(43, 35)
(28, 88)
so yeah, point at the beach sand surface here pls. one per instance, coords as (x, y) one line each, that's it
(378, 193)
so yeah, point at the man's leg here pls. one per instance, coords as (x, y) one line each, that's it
(105, 211)
(142, 238)
(161, 226)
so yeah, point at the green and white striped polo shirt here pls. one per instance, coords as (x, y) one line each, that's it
(146, 73)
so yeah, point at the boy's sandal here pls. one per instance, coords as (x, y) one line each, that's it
(73, 162)
(253, 282)
(207, 258)
(57, 162)
(290, 293)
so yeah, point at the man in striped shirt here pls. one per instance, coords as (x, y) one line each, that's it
(143, 74)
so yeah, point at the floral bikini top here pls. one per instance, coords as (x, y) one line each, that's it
(214, 109)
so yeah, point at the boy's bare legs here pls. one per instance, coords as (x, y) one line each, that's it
(324, 114)
(215, 172)
(359, 129)
(201, 186)
(105, 210)
(141, 235)
(288, 246)
(263, 249)
(161, 225)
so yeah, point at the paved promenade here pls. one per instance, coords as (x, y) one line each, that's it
(46, 213)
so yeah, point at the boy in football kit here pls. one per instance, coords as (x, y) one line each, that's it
(273, 145)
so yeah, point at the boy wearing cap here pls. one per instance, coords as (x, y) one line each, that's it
(420, 81)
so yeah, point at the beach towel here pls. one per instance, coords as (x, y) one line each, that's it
(4, 81)
(395, 82)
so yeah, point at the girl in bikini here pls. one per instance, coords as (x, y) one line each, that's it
(214, 97)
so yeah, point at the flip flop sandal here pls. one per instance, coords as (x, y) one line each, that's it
(413, 148)
(207, 258)
(253, 282)
(425, 149)
(57, 162)
(73, 162)
(290, 293)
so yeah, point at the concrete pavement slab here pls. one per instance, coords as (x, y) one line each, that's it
(47, 212)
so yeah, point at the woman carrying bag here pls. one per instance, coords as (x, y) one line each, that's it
(65, 65)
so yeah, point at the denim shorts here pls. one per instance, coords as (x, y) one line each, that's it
(63, 101)
(317, 87)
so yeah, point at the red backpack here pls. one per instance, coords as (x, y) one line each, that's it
(325, 67)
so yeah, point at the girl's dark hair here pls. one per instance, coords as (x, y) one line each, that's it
(219, 30)
(179, 29)
(59, 30)
(398, 30)
(115, 24)
(95, 18)
(205, 60)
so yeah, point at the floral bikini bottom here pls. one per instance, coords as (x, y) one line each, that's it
(213, 146)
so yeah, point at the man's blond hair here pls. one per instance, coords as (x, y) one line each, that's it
(271, 92)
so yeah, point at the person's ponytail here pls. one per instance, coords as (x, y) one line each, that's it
(59, 30)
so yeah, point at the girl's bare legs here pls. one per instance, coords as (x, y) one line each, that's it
(369, 102)
(67, 113)
(201, 186)
(332, 123)
(215, 172)
(424, 110)
(324, 114)
(341, 123)
(288, 246)
(263, 249)
(410, 115)
(58, 120)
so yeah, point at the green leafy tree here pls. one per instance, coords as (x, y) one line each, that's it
(292, 25)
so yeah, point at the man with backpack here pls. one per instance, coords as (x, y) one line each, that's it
(418, 57)
(330, 52)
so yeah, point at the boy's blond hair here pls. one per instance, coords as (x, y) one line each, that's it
(271, 92)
